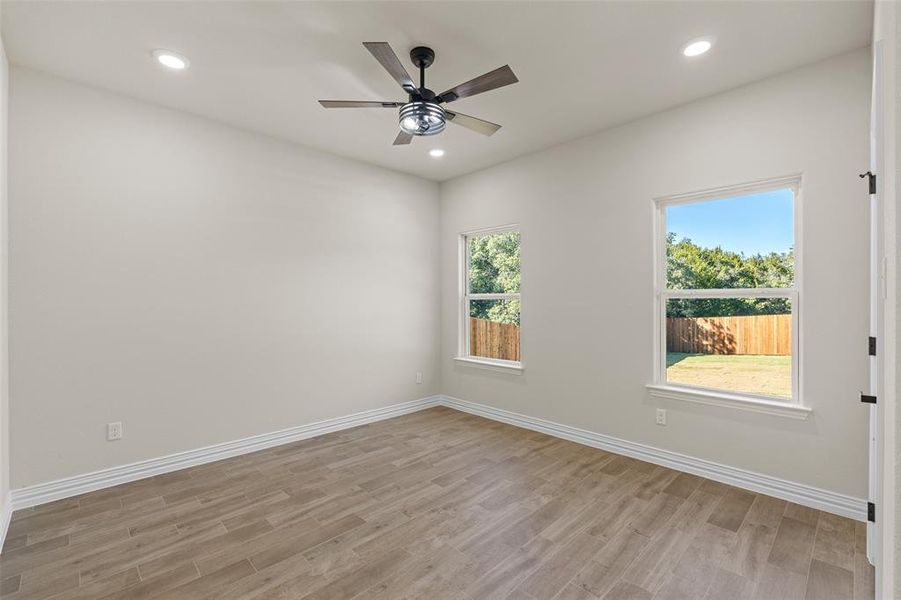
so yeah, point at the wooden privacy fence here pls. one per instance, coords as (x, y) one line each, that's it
(490, 339)
(758, 334)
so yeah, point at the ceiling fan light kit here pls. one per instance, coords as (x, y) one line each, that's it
(423, 113)
(422, 118)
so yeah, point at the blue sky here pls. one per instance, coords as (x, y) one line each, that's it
(756, 223)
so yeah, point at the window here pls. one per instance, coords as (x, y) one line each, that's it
(727, 295)
(490, 298)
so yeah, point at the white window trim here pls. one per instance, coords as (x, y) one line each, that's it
(491, 364)
(463, 356)
(760, 404)
(660, 388)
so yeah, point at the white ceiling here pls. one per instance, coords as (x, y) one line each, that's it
(583, 66)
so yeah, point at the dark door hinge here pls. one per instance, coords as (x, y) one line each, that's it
(872, 180)
(871, 512)
(868, 399)
(872, 346)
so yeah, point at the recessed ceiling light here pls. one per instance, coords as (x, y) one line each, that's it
(436, 153)
(696, 48)
(170, 59)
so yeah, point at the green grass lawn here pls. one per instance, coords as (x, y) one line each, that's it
(768, 375)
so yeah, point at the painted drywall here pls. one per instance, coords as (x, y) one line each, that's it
(585, 210)
(199, 283)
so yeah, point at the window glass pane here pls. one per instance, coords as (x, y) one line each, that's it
(740, 242)
(734, 344)
(494, 263)
(494, 329)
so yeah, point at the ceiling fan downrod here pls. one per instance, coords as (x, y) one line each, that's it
(423, 57)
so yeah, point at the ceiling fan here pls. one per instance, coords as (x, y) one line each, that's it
(423, 113)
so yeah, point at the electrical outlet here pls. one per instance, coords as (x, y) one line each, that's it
(114, 431)
(418, 377)
(661, 416)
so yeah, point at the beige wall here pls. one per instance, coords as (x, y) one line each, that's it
(585, 212)
(199, 283)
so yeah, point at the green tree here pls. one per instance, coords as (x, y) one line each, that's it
(494, 269)
(689, 266)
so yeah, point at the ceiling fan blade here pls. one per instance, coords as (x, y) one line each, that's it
(358, 104)
(388, 59)
(478, 125)
(403, 138)
(483, 83)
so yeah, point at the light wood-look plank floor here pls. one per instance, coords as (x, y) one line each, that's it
(437, 504)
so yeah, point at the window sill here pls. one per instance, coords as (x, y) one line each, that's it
(770, 407)
(492, 365)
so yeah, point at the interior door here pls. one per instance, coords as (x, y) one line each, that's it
(877, 290)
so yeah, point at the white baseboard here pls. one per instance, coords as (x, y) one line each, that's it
(805, 495)
(799, 493)
(6, 513)
(89, 482)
